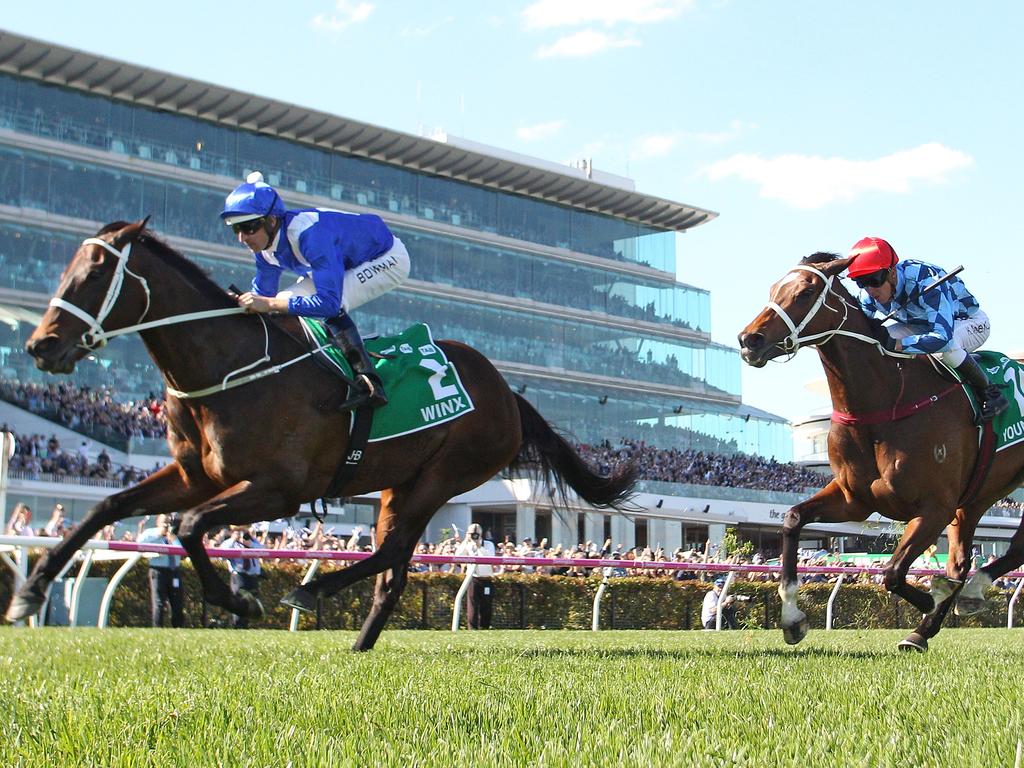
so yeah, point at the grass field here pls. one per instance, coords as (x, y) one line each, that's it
(263, 698)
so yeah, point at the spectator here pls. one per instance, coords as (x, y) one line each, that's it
(481, 592)
(165, 586)
(55, 525)
(709, 610)
(21, 521)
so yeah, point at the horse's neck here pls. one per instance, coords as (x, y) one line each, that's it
(862, 380)
(196, 354)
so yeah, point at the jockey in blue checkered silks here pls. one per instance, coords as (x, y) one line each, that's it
(945, 321)
(345, 259)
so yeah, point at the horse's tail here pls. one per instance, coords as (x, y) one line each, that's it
(548, 456)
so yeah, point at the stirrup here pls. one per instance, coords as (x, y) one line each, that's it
(993, 402)
(369, 393)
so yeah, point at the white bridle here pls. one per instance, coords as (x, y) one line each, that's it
(96, 337)
(792, 343)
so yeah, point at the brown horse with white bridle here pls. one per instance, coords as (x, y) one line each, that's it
(902, 443)
(261, 452)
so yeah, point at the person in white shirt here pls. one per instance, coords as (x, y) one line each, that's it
(481, 594)
(709, 610)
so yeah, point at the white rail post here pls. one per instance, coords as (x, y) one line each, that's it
(76, 591)
(1013, 602)
(721, 599)
(832, 601)
(293, 624)
(595, 622)
(49, 591)
(115, 581)
(457, 608)
(7, 444)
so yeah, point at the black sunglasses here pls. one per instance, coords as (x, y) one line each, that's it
(248, 227)
(873, 280)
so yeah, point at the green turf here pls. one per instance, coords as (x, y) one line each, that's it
(261, 698)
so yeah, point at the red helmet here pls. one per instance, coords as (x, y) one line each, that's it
(871, 254)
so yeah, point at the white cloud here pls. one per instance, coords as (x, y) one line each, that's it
(587, 42)
(346, 13)
(427, 30)
(661, 144)
(540, 130)
(545, 14)
(807, 181)
(654, 145)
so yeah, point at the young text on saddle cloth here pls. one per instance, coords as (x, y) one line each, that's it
(424, 388)
(1009, 425)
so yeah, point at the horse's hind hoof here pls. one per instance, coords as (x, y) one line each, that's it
(253, 606)
(300, 599)
(913, 642)
(794, 633)
(969, 606)
(24, 604)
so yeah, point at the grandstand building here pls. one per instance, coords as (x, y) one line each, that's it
(565, 277)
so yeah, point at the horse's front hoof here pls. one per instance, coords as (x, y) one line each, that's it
(796, 632)
(969, 606)
(25, 603)
(300, 599)
(941, 589)
(252, 608)
(913, 642)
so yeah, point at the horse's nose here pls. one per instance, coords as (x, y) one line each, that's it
(38, 346)
(750, 340)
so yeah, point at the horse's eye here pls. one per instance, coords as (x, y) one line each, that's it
(92, 274)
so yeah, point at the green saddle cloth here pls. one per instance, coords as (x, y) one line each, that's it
(1009, 375)
(423, 387)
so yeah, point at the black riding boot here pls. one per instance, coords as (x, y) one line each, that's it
(370, 390)
(990, 397)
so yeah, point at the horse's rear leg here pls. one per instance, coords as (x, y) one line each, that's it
(827, 505)
(388, 589)
(390, 583)
(972, 597)
(945, 591)
(162, 492)
(920, 532)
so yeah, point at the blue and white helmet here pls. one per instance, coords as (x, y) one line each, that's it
(252, 200)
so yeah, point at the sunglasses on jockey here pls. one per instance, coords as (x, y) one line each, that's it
(248, 227)
(873, 279)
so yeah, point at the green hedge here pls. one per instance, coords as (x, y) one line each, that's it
(536, 602)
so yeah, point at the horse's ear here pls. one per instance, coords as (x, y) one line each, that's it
(835, 267)
(130, 233)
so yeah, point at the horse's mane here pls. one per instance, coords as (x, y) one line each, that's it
(193, 273)
(820, 257)
(824, 257)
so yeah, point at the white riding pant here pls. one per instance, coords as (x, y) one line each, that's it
(968, 336)
(365, 282)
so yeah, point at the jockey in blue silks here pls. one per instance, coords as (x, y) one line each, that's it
(345, 259)
(946, 321)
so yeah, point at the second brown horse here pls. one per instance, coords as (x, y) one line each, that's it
(913, 469)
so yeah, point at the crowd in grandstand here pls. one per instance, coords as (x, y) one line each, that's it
(87, 410)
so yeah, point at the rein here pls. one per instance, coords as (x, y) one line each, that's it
(96, 337)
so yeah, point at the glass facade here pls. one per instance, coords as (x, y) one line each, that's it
(581, 336)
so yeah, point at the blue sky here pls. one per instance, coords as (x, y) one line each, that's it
(806, 125)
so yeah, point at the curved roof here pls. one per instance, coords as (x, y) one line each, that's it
(89, 72)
